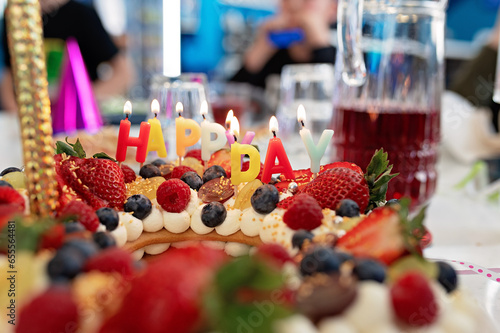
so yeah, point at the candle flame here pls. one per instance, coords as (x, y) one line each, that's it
(127, 108)
(273, 125)
(235, 127)
(301, 114)
(179, 108)
(229, 117)
(155, 107)
(204, 108)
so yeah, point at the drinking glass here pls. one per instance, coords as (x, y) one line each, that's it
(389, 85)
(312, 86)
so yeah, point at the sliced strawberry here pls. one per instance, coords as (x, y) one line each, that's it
(196, 153)
(301, 178)
(222, 158)
(128, 174)
(379, 236)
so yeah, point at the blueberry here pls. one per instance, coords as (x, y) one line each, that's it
(447, 276)
(85, 247)
(213, 214)
(158, 162)
(108, 217)
(66, 264)
(215, 171)
(319, 260)
(9, 170)
(265, 198)
(4, 183)
(139, 205)
(104, 239)
(300, 236)
(192, 179)
(343, 256)
(149, 171)
(347, 208)
(367, 269)
(72, 227)
(392, 202)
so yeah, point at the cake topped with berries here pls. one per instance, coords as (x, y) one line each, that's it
(315, 254)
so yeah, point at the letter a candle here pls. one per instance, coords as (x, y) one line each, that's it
(275, 150)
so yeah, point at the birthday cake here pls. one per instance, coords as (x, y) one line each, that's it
(331, 255)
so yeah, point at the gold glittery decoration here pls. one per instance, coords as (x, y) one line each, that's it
(25, 37)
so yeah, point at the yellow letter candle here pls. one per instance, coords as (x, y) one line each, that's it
(315, 152)
(208, 146)
(181, 126)
(156, 141)
(238, 176)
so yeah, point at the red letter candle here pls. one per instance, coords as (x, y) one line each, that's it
(125, 141)
(275, 150)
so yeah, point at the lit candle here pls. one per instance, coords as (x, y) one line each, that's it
(315, 152)
(247, 139)
(156, 141)
(229, 118)
(275, 150)
(125, 141)
(208, 146)
(237, 152)
(181, 126)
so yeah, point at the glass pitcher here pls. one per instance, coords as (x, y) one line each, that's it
(390, 76)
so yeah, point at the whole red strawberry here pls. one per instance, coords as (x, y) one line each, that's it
(52, 311)
(99, 182)
(112, 259)
(304, 213)
(81, 212)
(173, 195)
(128, 174)
(167, 296)
(334, 185)
(413, 301)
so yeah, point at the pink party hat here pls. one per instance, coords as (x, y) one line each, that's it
(76, 107)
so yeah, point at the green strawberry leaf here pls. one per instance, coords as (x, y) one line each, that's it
(413, 229)
(103, 156)
(70, 149)
(229, 312)
(77, 146)
(377, 176)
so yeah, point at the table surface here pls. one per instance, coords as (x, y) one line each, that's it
(465, 226)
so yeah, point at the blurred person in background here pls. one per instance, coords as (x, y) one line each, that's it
(109, 69)
(313, 18)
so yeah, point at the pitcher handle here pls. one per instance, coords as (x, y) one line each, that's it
(349, 18)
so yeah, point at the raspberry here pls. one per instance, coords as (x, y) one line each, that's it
(128, 174)
(52, 311)
(276, 253)
(173, 195)
(178, 171)
(112, 259)
(196, 153)
(413, 300)
(83, 213)
(303, 213)
(53, 238)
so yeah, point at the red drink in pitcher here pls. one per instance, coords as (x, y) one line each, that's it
(410, 137)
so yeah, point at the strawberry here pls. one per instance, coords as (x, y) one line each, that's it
(274, 253)
(53, 238)
(285, 203)
(303, 213)
(223, 158)
(11, 202)
(334, 185)
(301, 177)
(83, 214)
(413, 301)
(52, 311)
(379, 235)
(167, 296)
(347, 165)
(128, 174)
(112, 259)
(196, 153)
(97, 181)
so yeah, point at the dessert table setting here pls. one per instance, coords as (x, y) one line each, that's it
(340, 237)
